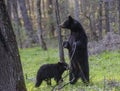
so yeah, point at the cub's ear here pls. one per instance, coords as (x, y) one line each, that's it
(59, 62)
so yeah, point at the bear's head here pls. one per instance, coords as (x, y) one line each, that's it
(71, 24)
(62, 66)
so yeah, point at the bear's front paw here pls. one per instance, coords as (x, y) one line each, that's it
(65, 44)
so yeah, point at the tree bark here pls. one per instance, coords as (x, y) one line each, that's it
(119, 14)
(92, 27)
(27, 23)
(9, 8)
(17, 22)
(64, 11)
(61, 52)
(28, 8)
(83, 6)
(43, 8)
(11, 74)
(50, 17)
(100, 19)
(77, 11)
(107, 16)
(38, 13)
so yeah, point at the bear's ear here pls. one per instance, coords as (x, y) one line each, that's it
(70, 18)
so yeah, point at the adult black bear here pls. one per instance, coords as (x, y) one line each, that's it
(78, 53)
(48, 71)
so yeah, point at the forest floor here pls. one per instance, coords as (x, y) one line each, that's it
(104, 70)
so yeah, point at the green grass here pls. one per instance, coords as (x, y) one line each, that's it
(104, 70)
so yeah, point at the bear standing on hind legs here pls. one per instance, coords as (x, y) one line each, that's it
(77, 48)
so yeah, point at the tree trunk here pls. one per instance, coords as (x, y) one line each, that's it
(100, 20)
(38, 13)
(28, 8)
(64, 11)
(17, 22)
(27, 23)
(110, 15)
(92, 27)
(9, 8)
(76, 11)
(107, 16)
(43, 8)
(33, 13)
(11, 74)
(50, 17)
(83, 6)
(119, 14)
(61, 52)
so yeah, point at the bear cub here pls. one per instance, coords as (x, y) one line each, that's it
(48, 71)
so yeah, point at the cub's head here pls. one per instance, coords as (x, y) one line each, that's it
(63, 66)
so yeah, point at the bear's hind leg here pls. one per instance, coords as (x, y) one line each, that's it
(85, 74)
(72, 78)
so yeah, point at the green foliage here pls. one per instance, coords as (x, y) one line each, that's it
(104, 70)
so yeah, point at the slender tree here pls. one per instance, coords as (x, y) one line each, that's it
(27, 22)
(119, 14)
(92, 27)
(100, 19)
(28, 8)
(107, 16)
(38, 13)
(17, 21)
(50, 17)
(11, 74)
(76, 11)
(64, 11)
(61, 52)
(43, 8)
(83, 5)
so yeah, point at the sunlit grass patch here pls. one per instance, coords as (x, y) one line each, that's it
(104, 70)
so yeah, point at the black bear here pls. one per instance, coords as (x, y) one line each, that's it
(48, 71)
(77, 48)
